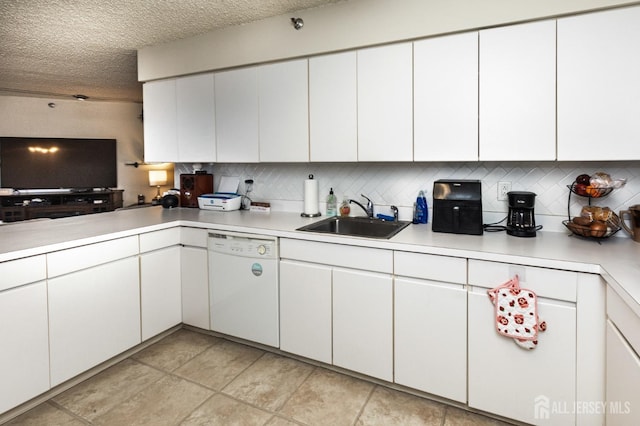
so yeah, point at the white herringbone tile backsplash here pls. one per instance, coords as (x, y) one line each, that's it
(399, 183)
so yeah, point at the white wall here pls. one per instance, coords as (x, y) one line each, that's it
(344, 25)
(32, 117)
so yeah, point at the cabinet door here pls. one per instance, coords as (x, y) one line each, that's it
(195, 118)
(534, 385)
(24, 358)
(305, 310)
(431, 337)
(160, 124)
(445, 98)
(94, 314)
(333, 108)
(518, 92)
(598, 86)
(160, 291)
(385, 103)
(363, 322)
(623, 380)
(237, 116)
(284, 111)
(195, 287)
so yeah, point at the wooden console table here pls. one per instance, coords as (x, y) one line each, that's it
(58, 204)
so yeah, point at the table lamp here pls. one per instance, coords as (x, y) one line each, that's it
(157, 178)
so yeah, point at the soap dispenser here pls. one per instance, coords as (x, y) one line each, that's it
(332, 204)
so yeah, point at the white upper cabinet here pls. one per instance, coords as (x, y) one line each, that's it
(196, 118)
(237, 116)
(599, 86)
(518, 92)
(179, 119)
(160, 126)
(385, 103)
(333, 108)
(283, 96)
(445, 98)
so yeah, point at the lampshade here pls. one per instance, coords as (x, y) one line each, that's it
(157, 177)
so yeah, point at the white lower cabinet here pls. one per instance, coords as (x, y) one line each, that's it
(535, 386)
(24, 357)
(623, 380)
(194, 275)
(160, 291)
(362, 322)
(305, 310)
(430, 326)
(521, 384)
(160, 281)
(431, 337)
(94, 314)
(338, 299)
(623, 362)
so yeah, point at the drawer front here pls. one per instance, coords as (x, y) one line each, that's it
(159, 239)
(18, 272)
(78, 258)
(369, 259)
(195, 237)
(430, 267)
(624, 318)
(551, 283)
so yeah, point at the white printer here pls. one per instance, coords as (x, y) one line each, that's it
(225, 199)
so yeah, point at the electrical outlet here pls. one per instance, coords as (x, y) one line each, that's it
(503, 189)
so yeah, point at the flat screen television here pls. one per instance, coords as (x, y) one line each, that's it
(56, 163)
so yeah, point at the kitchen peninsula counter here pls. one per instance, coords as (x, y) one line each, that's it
(617, 260)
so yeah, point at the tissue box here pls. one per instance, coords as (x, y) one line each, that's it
(222, 201)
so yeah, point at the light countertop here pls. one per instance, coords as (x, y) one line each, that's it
(616, 259)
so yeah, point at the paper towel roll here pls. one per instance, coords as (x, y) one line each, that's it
(311, 203)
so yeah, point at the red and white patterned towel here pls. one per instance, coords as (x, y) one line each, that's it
(516, 313)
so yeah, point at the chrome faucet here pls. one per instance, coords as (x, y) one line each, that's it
(394, 209)
(369, 209)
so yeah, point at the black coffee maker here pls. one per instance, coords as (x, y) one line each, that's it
(521, 222)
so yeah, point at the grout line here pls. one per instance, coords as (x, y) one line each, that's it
(222, 390)
(64, 409)
(367, 400)
(313, 370)
(197, 407)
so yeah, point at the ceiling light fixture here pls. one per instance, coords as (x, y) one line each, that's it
(81, 97)
(298, 23)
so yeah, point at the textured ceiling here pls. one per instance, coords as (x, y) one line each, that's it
(63, 47)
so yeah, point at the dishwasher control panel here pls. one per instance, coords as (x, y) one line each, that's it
(243, 245)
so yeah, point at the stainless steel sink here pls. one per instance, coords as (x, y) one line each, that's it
(357, 227)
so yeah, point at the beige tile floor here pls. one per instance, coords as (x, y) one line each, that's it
(189, 378)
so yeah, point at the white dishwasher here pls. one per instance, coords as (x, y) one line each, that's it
(243, 283)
